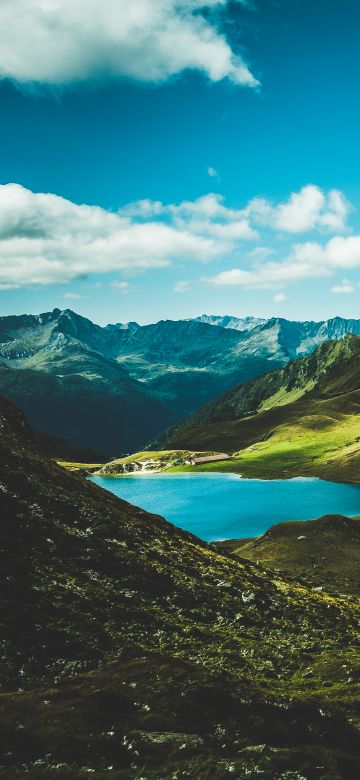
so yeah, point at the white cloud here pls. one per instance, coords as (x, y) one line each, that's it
(45, 239)
(212, 172)
(269, 275)
(60, 41)
(181, 287)
(70, 296)
(261, 252)
(279, 298)
(305, 211)
(309, 209)
(144, 209)
(123, 287)
(206, 215)
(228, 231)
(340, 252)
(310, 260)
(344, 288)
(210, 206)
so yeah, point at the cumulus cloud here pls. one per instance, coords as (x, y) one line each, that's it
(309, 209)
(71, 296)
(279, 298)
(309, 260)
(339, 252)
(269, 275)
(206, 215)
(45, 239)
(261, 252)
(123, 287)
(212, 172)
(305, 211)
(344, 288)
(181, 287)
(57, 42)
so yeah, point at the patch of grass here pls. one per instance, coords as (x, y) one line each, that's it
(284, 396)
(311, 447)
(79, 467)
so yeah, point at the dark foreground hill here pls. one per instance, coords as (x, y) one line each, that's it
(303, 419)
(132, 650)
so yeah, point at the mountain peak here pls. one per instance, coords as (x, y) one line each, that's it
(229, 321)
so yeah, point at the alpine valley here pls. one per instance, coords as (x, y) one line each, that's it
(116, 388)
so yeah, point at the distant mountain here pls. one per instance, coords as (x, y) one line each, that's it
(183, 363)
(286, 385)
(132, 649)
(241, 324)
(124, 326)
(285, 340)
(302, 419)
(55, 368)
(114, 388)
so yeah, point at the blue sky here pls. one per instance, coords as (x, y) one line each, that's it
(160, 125)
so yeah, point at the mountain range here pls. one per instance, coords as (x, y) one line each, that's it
(131, 649)
(114, 388)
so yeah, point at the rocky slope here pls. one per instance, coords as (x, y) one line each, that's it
(131, 649)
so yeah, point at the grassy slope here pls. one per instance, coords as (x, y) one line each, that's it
(317, 434)
(79, 468)
(129, 644)
(323, 552)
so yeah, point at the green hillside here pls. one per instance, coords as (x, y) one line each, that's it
(301, 419)
(132, 649)
(324, 552)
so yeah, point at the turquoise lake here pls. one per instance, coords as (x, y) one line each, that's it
(225, 506)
